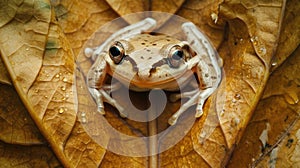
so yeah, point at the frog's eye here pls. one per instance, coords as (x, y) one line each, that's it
(116, 52)
(175, 57)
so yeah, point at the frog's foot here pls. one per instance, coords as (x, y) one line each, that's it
(176, 96)
(114, 103)
(99, 94)
(198, 97)
(201, 99)
(193, 100)
(98, 98)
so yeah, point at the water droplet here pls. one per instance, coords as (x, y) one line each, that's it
(27, 49)
(214, 17)
(63, 88)
(63, 99)
(254, 40)
(88, 52)
(222, 112)
(67, 95)
(65, 79)
(83, 117)
(61, 110)
(46, 96)
(83, 120)
(274, 63)
(233, 100)
(237, 96)
(291, 98)
(57, 76)
(202, 134)
(262, 50)
(237, 121)
(36, 90)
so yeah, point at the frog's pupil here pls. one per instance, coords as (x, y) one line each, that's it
(177, 55)
(114, 51)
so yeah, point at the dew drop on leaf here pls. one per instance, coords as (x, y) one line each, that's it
(61, 110)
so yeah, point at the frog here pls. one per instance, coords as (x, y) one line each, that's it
(149, 61)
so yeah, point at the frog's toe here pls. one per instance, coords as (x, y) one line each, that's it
(172, 120)
(101, 110)
(123, 115)
(199, 113)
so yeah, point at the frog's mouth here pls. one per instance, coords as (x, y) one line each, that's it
(158, 78)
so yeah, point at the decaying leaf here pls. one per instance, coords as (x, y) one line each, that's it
(272, 136)
(41, 64)
(80, 19)
(127, 7)
(27, 156)
(249, 67)
(30, 32)
(4, 76)
(45, 81)
(169, 6)
(289, 37)
(205, 14)
(16, 125)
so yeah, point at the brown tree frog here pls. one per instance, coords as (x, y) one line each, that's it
(148, 61)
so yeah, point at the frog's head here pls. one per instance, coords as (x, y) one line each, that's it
(148, 59)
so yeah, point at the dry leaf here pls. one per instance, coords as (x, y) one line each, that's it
(125, 7)
(4, 76)
(272, 134)
(289, 37)
(205, 14)
(47, 89)
(27, 156)
(80, 19)
(169, 6)
(16, 125)
(41, 64)
(247, 69)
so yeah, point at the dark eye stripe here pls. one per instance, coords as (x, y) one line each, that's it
(133, 63)
(160, 63)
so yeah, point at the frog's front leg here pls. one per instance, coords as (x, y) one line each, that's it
(97, 88)
(97, 73)
(95, 79)
(208, 71)
(208, 68)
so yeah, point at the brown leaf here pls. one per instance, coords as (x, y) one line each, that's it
(30, 31)
(247, 54)
(4, 76)
(272, 134)
(247, 69)
(202, 13)
(289, 35)
(27, 156)
(50, 97)
(16, 125)
(124, 7)
(169, 6)
(80, 19)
